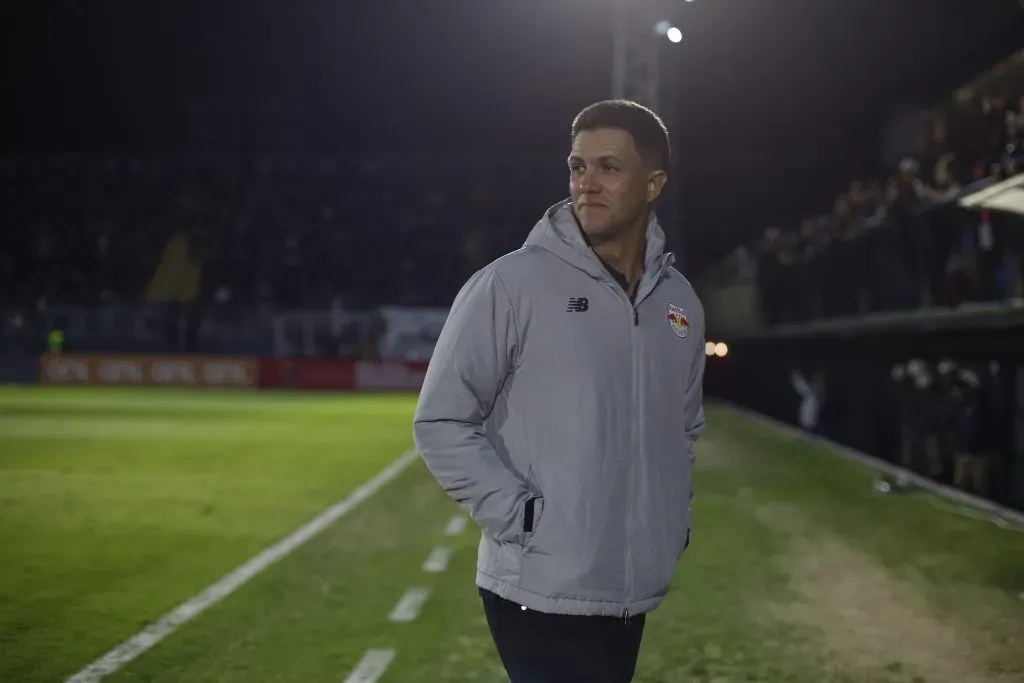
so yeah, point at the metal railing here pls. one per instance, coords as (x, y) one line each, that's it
(394, 332)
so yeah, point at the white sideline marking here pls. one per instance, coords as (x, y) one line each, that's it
(371, 666)
(167, 624)
(986, 506)
(408, 608)
(455, 526)
(437, 561)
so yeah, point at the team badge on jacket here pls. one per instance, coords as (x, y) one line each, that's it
(678, 320)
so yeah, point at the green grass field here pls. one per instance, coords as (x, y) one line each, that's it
(119, 505)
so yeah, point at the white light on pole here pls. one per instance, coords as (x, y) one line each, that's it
(674, 35)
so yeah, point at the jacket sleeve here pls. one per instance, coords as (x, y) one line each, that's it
(473, 356)
(693, 406)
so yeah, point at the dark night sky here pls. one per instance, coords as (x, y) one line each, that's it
(782, 98)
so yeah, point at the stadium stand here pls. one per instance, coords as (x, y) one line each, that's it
(216, 239)
(901, 241)
(893, 325)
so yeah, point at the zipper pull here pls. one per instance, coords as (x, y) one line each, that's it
(625, 615)
(636, 317)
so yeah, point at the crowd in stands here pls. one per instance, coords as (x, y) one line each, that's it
(887, 246)
(277, 234)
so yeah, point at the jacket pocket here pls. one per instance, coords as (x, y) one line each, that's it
(533, 511)
(666, 505)
(528, 515)
(688, 534)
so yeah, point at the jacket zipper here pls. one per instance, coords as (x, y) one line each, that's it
(631, 302)
(634, 305)
(632, 463)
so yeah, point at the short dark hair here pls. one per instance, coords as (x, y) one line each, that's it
(648, 130)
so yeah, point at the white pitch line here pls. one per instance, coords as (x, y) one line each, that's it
(170, 622)
(455, 526)
(408, 608)
(437, 561)
(371, 666)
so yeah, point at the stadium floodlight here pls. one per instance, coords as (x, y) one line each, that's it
(674, 35)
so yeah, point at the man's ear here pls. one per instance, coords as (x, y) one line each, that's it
(655, 184)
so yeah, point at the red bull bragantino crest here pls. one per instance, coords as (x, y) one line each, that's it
(678, 320)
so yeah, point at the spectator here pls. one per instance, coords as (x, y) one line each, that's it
(274, 233)
(931, 252)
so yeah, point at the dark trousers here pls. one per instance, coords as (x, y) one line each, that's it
(536, 647)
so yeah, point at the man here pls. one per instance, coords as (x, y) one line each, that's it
(561, 407)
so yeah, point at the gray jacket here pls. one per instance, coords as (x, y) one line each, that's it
(548, 384)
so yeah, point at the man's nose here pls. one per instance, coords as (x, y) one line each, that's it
(588, 183)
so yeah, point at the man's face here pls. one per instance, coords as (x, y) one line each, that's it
(610, 185)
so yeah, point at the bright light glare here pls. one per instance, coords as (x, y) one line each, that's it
(675, 35)
(662, 27)
(721, 349)
(709, 348)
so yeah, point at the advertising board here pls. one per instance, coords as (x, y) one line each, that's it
(170, 371)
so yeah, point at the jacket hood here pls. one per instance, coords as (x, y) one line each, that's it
(559, 233)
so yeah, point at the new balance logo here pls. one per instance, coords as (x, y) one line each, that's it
(578, 305)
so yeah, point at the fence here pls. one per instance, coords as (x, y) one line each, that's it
(856, 385)
(390, 332)
(932, 255)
